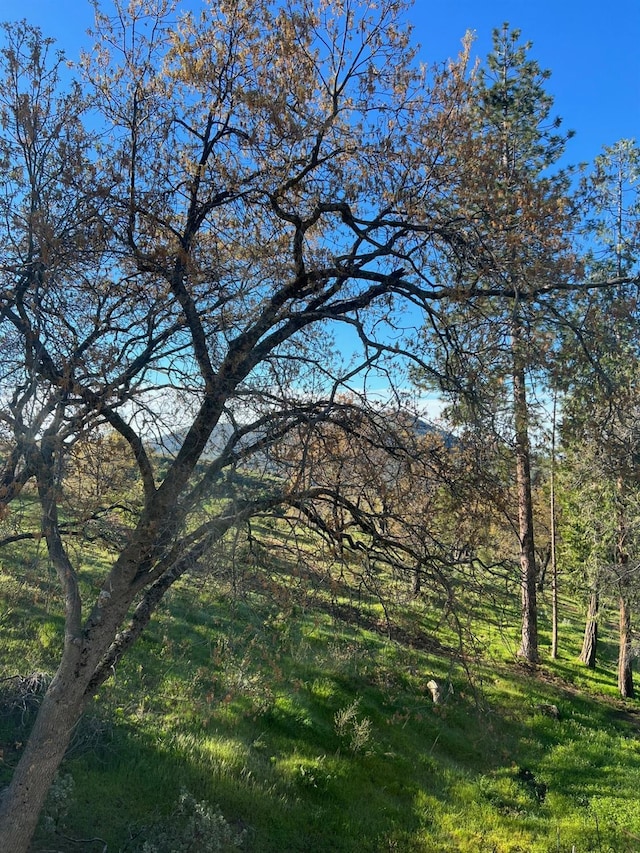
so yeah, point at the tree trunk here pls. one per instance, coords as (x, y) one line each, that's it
(73, 685)
(590, 641)
(529, 644)
(554, 609)
(23, 800)
(625, 658)
(87, 661)
(416, 581)
(553, 549)
(89, 656)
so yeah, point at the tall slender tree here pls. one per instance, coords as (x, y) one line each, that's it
(514, 200)
(603, 384)
(553, 526)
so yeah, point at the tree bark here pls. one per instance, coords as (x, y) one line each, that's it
(23, 800)
(416, 582)
(88, 659)
(75, 682)
(590, 640)
(552, 525)
(625, 658)
(62, 707)
(529, 641)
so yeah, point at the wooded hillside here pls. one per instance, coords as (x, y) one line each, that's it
(228, 229)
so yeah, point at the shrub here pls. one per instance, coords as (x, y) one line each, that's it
(347, 724)
(193, 826)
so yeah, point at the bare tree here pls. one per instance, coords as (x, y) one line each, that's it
(191, 232)
(183, 235)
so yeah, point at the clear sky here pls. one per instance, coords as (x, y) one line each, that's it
(591, 47)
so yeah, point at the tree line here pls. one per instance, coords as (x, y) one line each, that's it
(198, 213)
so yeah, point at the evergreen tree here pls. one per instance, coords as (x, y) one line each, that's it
(602, 390)
(492, 349)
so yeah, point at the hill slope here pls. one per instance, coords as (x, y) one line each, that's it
(293, 716)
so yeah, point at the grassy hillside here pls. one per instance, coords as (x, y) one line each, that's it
(267, 709)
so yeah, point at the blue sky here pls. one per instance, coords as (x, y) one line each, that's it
(592, 49)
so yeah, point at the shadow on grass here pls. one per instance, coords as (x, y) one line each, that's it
(237, 701)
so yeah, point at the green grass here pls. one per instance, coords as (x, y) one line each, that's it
(291, 709)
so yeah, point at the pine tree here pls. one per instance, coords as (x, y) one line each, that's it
(494, 340)
(602, 398)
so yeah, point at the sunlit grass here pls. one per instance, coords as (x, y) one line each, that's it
(250, 696)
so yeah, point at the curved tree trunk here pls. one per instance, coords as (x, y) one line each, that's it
(88, 659)
(89, 653)
(87, 662)
(590, 640)
(23, 800)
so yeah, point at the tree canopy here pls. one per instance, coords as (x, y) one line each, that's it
(191, 219)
